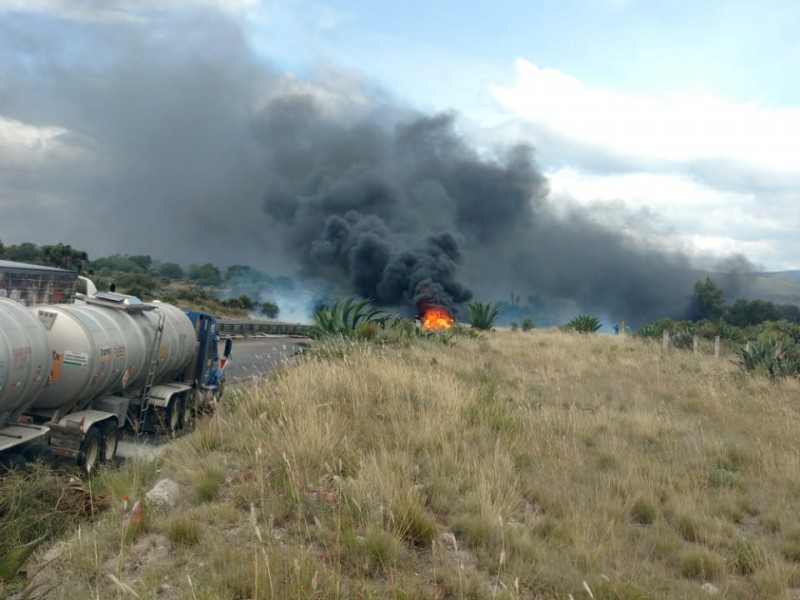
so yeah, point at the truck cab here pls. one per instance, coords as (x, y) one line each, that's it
(207, 369)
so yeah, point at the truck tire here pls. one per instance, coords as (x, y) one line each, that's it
(91, 449)
(110, 440)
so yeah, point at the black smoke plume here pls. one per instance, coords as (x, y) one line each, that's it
(179, 142)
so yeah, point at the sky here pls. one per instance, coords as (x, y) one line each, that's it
(685, 110)
(227, 130)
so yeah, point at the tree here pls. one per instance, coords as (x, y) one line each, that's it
(64, 256)
(752, 312)
(242, 272)
(171, 271)
(790, 312)
(142, 260)
(206, 274)
(270, 309)
(116, 262)
(708, 301)
(24, 252)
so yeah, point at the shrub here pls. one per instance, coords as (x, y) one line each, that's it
(270, 309)
(689, 529)
(643, 511)
(381, 549)
(208, 484)
(527, 324)
(683, 339)
(344, 318)
(747, 556)
(244, 302)
(770, 356)
(482, 315)
(700, 564)
(656, 328)
(368, 330)
(182, 531)
(583, 324)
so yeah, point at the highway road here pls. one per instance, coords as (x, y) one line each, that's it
(256, 357)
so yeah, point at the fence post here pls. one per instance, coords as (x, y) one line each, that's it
(749, 345)
(695, 344)
(622, 329)
(716, 346)
(665, 341)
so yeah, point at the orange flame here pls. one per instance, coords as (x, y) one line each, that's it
(436, 317)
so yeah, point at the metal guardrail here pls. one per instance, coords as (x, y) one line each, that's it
(228, 327)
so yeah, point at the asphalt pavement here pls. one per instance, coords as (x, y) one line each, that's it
(256, 357)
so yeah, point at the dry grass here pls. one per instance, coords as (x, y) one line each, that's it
(558, 462)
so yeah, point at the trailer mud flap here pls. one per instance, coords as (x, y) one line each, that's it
(66, 439)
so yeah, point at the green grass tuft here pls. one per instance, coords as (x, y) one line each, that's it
(700, 564)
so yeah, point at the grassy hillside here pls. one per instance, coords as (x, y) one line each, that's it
(782, 287)
(521, 465)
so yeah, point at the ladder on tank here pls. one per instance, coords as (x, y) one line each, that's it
(155, 351)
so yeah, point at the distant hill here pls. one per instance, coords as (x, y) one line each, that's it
(782, 287)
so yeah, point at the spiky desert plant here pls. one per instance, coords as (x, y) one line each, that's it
(482, 315)
(768, 356)
(584, 324)
(344, 318)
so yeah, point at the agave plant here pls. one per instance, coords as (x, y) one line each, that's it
(344, 318)
(482, 315)
(584, 324)
(769, 356)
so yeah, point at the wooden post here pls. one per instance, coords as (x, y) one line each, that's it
(622, 328)
(749, 346)
(716, 346)
(695, 344)
(665, 341)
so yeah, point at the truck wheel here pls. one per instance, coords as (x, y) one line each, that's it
(90, 451)
(12, 462)
(110, 433)
(173, 415)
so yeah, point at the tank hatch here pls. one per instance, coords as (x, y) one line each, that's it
(119, 301)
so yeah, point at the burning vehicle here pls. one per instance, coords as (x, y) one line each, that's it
(434, 317)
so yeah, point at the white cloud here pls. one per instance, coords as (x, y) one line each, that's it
(721, 177)
(680, 128)
(25, 146)
(679, 212)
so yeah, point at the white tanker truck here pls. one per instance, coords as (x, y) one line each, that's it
(73, 376)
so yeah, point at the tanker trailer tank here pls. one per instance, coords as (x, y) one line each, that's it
(114, 362)
(106, 347)
(24, 368)
(72, 376)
